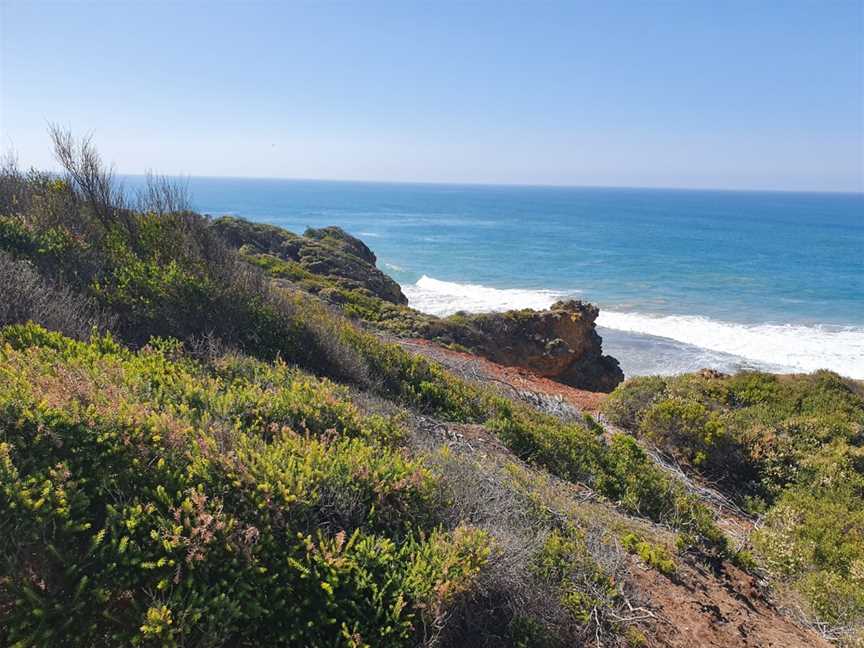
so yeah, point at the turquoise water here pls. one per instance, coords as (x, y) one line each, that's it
(684, 278)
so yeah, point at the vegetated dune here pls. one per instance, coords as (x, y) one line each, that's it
(210, 445)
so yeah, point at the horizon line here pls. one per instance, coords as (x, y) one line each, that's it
(848, 192)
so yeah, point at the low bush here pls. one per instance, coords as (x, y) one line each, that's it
(589, 590)
(30, 297)
(627, 403)
(239, 498)
(651, 554)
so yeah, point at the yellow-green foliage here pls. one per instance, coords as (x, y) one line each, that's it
(564, 560)
(620, 470)
(166, 276)
(814, 537)
(146, 498)
(654, 555)
(685, 425)
(761, 426)
(790, 447)
(635, 638)
(355, 303)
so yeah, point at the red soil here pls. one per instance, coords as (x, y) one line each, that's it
(518, 378)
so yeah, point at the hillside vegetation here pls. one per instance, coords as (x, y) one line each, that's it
(196, 452)
(789, 449)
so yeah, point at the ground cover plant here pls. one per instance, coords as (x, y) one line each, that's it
(146, 496)
(165, 273)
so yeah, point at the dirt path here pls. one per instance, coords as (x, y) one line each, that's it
(719, 608)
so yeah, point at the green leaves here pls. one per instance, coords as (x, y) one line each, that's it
(651, 554)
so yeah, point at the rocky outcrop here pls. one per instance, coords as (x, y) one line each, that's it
(329, 252)
(561, 343)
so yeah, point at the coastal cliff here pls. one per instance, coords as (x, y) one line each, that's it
(559, 343)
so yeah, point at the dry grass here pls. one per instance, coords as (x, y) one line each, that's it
(26, 296)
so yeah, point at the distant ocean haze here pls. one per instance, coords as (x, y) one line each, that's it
(684, 279)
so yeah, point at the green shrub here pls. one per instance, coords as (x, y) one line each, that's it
(651, 554)
(635, 638)
(16, 238)
(529, 633)
(565, 561)
(148, 498)
(625, 405)
(750, 388)
(242, 499)
(641, 487)
(689, 431)
(170, 275)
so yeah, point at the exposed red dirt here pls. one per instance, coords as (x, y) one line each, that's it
(722, 609)
(518, 378)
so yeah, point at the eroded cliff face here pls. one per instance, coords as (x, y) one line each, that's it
(560, 343)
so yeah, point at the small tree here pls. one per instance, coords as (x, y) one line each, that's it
(95, 183)
(163, 195)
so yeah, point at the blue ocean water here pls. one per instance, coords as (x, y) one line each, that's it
(684, 279)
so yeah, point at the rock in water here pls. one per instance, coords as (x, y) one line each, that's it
(342, 239)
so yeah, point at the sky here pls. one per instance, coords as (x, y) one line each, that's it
(759, 94)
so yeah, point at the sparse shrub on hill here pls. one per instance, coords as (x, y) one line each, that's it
(652, 555)
(626, 407)
(585, 586)
(753, 430)
(30, 297)
(189, 502)
(169, 275)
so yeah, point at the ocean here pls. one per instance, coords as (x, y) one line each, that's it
(684, 279)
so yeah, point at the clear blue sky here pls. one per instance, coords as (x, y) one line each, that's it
(756, 94)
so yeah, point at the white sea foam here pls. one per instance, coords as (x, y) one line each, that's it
(447, 297)
(804, 348)
(792, 347)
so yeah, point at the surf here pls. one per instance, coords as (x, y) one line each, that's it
(791, 347)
